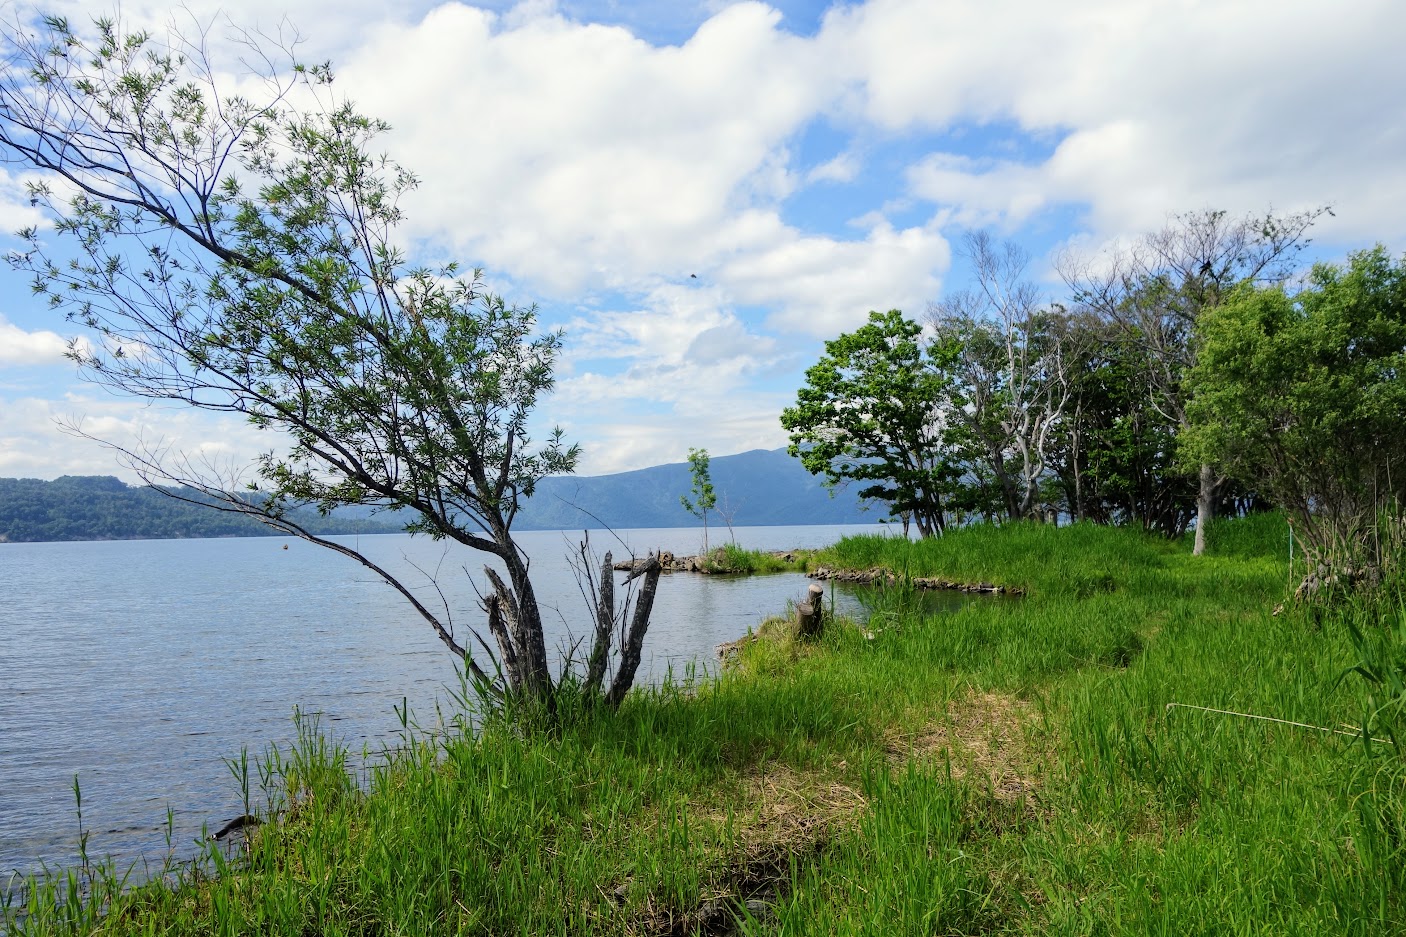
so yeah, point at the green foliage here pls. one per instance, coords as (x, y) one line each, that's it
(1304, 395)
(1040, 558)
(1376, 625)
(1005, 766)
(865, 415)
(1156, 293)
(704, 498)
(1375, 622)
(1113, 453)
(1002, 352)
(731, 558)
(247, 250)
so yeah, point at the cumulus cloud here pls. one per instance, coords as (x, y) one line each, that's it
(644, 385)
(821, 286)
(680, 346)
(842, 168)
(646, 439)
(595, 170)
(1159, 107)
(578, 157)
(36, 439)
(19, 348)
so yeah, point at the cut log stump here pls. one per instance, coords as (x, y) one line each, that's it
(810, 613)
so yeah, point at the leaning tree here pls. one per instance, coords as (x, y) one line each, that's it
(236, 253)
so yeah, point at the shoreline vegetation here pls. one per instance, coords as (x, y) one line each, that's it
(732, 560)
(1018, 767)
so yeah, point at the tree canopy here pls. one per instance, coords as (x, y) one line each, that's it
(1195, 373)
(867, 413)
(1157, 289)
(1302, 393)
(239, 255)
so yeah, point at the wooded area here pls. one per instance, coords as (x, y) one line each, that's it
(1200, 372)
(100, 507)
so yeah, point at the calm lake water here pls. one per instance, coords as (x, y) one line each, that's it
(139, 666)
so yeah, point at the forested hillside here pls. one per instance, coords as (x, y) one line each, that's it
(757, 488)
(100, 507)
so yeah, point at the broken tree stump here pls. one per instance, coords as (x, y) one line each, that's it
(810, 613)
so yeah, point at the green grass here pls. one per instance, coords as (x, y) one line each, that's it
(730, 558)
(1008, 768)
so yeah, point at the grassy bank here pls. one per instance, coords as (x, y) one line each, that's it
(1011, 767)
(732, 559)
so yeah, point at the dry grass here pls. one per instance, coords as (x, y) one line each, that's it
(795, 807)
(983, 735)
(786, 817)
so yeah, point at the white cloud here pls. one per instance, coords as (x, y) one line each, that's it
(577, 154)
(650, 439)
(821, 286)
(982, 192)
(579, 157)
(19, 348)
(682, 346)
(322, 29)
(594, 170)
(35, 443)
(842, 168)
(643, 386)
(1160, 106)
(16, 211)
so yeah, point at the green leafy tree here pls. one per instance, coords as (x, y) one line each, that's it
(1157, 289)
(1303, 395)
(704, 498)
(868, 414)
(1007, 364)
(1113, 452)
(238, 256)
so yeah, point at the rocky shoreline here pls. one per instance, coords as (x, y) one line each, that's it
(671, 563)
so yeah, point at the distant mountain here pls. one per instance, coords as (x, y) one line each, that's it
(100, 507)
(760, 488)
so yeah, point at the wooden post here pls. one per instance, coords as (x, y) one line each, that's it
(810, 619)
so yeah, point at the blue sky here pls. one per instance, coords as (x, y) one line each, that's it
(701, 193)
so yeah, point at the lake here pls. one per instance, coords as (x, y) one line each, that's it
(139, 666)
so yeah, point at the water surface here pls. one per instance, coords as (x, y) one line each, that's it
(139, 666)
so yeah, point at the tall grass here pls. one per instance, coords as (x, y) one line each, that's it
(730, 558)
(1008, 767)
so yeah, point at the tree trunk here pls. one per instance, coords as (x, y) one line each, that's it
(1003, 478)
(522, 622)
(634, 638)
(605, 624)
(1205, 507)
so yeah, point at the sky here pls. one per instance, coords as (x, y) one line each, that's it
(701, 193)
